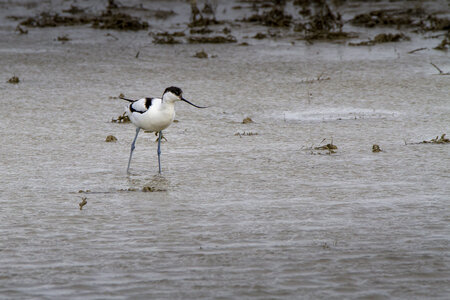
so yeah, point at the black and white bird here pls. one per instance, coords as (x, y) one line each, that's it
(154, 115)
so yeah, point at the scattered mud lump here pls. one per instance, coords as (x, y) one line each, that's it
(201, 54)
(110, 138)
(383, 38)
(14, 80)
(247, 120)
(376, 148)
(121, 119)
(212, 39)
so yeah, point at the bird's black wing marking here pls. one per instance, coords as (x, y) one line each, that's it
(148, 102)
(138, 110)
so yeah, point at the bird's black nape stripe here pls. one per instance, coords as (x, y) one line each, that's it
(174, 90)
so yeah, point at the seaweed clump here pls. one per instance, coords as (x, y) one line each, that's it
(110, 138)
(389, 17)
(376, 148)
(14, 80)
(46, 19)
(383, 38)
(324, 24)
(201, 54)
(437, 140)
(247, 120)
(152, 189)
(167, 37)
(218, 39)
(444, 44)
(121, 119)
(273, 18)
(118, 21)
(107, 20)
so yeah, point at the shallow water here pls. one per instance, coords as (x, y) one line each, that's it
(259, 216)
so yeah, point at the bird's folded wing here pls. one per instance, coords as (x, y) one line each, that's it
(140, 106)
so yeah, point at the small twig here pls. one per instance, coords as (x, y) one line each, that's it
(82, 203)
(137, 54)
(440, 71)
(419, 49)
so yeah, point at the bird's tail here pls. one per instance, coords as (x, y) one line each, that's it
(129, 100)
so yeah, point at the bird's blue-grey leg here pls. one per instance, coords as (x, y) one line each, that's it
(132, 148)
(159, 151)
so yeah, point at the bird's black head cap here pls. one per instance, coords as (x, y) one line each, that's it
(174, 90)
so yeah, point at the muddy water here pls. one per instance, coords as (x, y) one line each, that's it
(259, 216)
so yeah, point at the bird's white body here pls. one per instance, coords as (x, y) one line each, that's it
(154, 114)
(158, 116)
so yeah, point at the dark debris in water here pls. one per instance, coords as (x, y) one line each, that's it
(152, 189)
(247, 120)
(383, 38)
(110, 138)
(241, 134)
(121, 119)
(118, 21)
(83, 202)
(219, 39)
(14, 80)
(21, 30)
(201, 54)
(73, 10)
(437, 140)
(46, 19)
(106, 20)
(327, 149)
(318, 79)
(63, 38)
(389, 17)
(165, 40)
(440, 71)
(376, 148)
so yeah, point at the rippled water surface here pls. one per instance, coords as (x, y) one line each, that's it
(241, 210)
